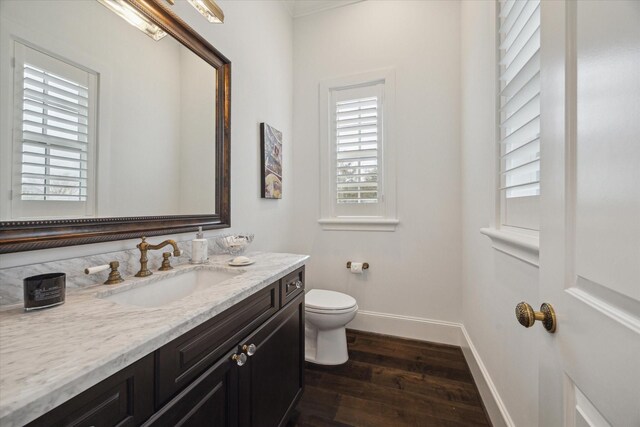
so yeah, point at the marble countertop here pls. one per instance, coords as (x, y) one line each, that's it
(51, 355)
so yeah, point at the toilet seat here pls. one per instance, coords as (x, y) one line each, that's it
(324, 301)
(321, 311)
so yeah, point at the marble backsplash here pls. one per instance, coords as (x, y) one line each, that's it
(11, 278)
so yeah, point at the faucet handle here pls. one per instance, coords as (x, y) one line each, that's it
(114, 274)
(96, 269)
(166, 264)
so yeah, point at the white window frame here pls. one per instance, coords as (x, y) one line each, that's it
(29, 209)
(381, 216)
(519, 238)
(520, 214)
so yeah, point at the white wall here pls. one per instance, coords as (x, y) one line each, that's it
(415, 271)
(257, 38)
(493, 282)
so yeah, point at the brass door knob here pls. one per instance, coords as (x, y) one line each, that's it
(527, 317)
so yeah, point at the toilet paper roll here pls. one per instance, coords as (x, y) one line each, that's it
(356, 267)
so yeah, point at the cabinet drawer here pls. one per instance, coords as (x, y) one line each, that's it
(291, 286)
(185, 358)
(210, 400)
(124, 399)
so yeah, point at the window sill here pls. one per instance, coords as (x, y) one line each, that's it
(359, 224)
(521, 246)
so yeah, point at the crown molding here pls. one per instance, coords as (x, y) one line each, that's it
(300, 8)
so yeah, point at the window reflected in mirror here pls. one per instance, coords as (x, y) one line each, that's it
(106, 122)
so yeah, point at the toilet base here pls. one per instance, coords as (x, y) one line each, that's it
(328, 347)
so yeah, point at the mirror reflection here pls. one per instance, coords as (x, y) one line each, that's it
(103, 121)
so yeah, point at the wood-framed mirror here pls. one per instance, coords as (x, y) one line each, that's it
(150, 155)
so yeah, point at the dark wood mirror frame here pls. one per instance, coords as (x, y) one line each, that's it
(17, 236)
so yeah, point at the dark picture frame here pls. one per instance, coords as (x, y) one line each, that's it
(271, 162)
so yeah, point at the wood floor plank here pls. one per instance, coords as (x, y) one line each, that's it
(423, 367)
(400, 399)
(400, 349)
(409, 343)
(362, 412)
(391, 381)
(436, 388)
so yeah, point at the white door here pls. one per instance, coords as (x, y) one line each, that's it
(590, 224)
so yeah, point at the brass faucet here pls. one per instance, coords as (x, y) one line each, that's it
(144, 247)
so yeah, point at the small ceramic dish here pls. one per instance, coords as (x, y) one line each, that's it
(240, 264)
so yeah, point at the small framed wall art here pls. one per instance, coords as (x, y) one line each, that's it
(271, 154)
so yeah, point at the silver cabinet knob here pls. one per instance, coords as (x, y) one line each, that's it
(240, 359)
(249, 349)
(298, 284)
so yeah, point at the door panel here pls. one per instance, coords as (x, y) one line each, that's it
(590, 228)
(580, 411)
(607, 212)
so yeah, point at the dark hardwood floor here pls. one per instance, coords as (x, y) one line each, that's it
(391, 381)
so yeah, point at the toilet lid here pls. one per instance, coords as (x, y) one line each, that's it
(321, 299)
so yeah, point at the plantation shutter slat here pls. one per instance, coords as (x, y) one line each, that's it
(81, 126)
(357, 130)
(26, 154)
(52, 108)
(55, 135)
(79, 132)
(45, 99)
(519, 58)
(524, 26)
(59, 92)
(53, 142)
(510, 18)
(56, 167)
(60, 83)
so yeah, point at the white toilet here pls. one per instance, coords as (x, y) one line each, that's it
(326, 315)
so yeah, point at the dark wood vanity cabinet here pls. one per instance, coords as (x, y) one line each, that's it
(185, 358)
(194, 380)
(123, 399)
(272, 380)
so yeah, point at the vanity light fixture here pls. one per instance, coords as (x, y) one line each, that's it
(134, 17)
(209, 9)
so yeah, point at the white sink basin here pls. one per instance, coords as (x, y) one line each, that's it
(173, 288)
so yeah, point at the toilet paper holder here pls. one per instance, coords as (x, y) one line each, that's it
(365, 265)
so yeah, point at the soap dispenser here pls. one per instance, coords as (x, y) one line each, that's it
(199, 253)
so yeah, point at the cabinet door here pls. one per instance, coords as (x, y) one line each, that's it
(123, 399)
(271, 381)
(210, 400)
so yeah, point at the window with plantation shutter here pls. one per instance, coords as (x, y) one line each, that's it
(358, 185)
(519, 114)
(357, 150)
(54, 135)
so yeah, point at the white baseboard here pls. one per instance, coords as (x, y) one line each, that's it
(407, 327)
(445, 333)
(493, 403)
